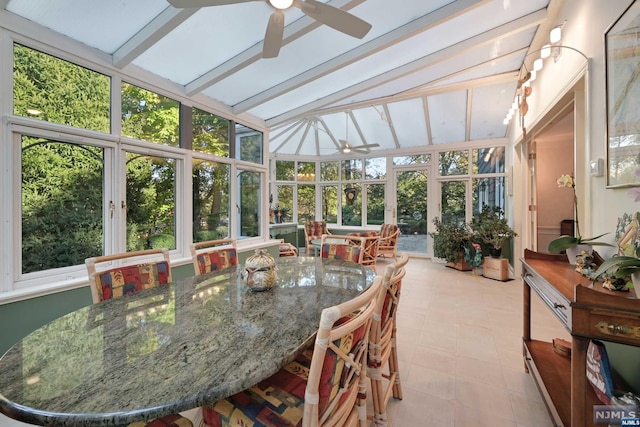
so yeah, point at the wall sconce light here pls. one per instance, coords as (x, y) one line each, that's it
(537, 64)
(556, 34)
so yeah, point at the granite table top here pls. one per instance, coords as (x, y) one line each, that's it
(172, 348)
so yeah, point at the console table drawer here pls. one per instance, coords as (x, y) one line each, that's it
(609, 325)
(554, 300)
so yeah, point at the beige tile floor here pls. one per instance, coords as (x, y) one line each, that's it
(459, 347)
(459, 341)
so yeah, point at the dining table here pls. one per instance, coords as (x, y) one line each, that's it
(171, 348)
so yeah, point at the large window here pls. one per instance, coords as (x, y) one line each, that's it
(62, 204)
(150, 202)
(149, 116)
(210, 133)
(249, 189)
(50, 89)
(86, 191)
(210, 200)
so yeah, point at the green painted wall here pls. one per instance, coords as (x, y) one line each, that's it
(18, 319)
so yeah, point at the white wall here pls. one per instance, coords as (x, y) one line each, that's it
(586, 23)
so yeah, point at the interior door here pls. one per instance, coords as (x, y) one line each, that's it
(411, 209)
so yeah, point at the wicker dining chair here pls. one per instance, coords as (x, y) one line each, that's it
(388, 240)
(342, 248)
(369, 246)
(382, 343)
(314, 230)
(152, 269)
(128, 278)
(214, 255)
(324, 386)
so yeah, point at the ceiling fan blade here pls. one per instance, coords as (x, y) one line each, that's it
(367, 145)
(335, 18)
(204, 3)
(273, 35)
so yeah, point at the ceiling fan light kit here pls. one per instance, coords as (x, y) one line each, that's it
(324, 13)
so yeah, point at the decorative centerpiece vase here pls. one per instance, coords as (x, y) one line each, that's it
(260, 271)
(573, 252)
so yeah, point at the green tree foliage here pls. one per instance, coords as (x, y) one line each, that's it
(53, 90)
(61, 204)
(149, 116)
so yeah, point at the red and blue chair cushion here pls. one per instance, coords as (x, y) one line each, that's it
(341, 252)
(279, 400)
(217, 260)
(126, 280)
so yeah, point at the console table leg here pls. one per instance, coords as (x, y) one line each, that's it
(579, 386)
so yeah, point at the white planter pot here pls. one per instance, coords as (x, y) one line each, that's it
(635, 279)
(573, 252)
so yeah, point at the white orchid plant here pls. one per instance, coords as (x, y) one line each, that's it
(565, 242)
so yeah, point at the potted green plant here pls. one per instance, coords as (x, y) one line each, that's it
(491, 229)
(449, 241)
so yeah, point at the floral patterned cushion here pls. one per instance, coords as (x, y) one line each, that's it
(387, 230)
(126, 280)
(217, 260)
(279, 400)
(315, 228)
(341, 252)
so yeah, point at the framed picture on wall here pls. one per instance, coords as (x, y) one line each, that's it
(622, 56)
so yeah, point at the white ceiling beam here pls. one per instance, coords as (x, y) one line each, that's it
(385, 41)
(304, 136)
(392, 128)
(424, 91)
(292, 32)
(427, 120)
(462, 47)
(150, 34)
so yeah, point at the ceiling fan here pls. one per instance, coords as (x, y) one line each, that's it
(347, 148)
(324, 13)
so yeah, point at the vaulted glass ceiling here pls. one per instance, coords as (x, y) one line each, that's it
(427, 73)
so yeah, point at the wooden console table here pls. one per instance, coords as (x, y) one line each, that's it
(587, 313)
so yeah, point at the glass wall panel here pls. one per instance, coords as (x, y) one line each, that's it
(150, 202)
(210, 133)
(330, 203)
(329, 171)
(50, 89)
(488, 160)
(454, 163)
(307, 171)
(149, 116)
(488, 191)
(285, 204)
(352, 205)
(453, 202)
(210, 200)
(62, 204)
(376, 168)
(306, 203)
(249, 203)
(285, 170)
(249, 144)
(351, 169)
(412, 160)
(375, 204)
